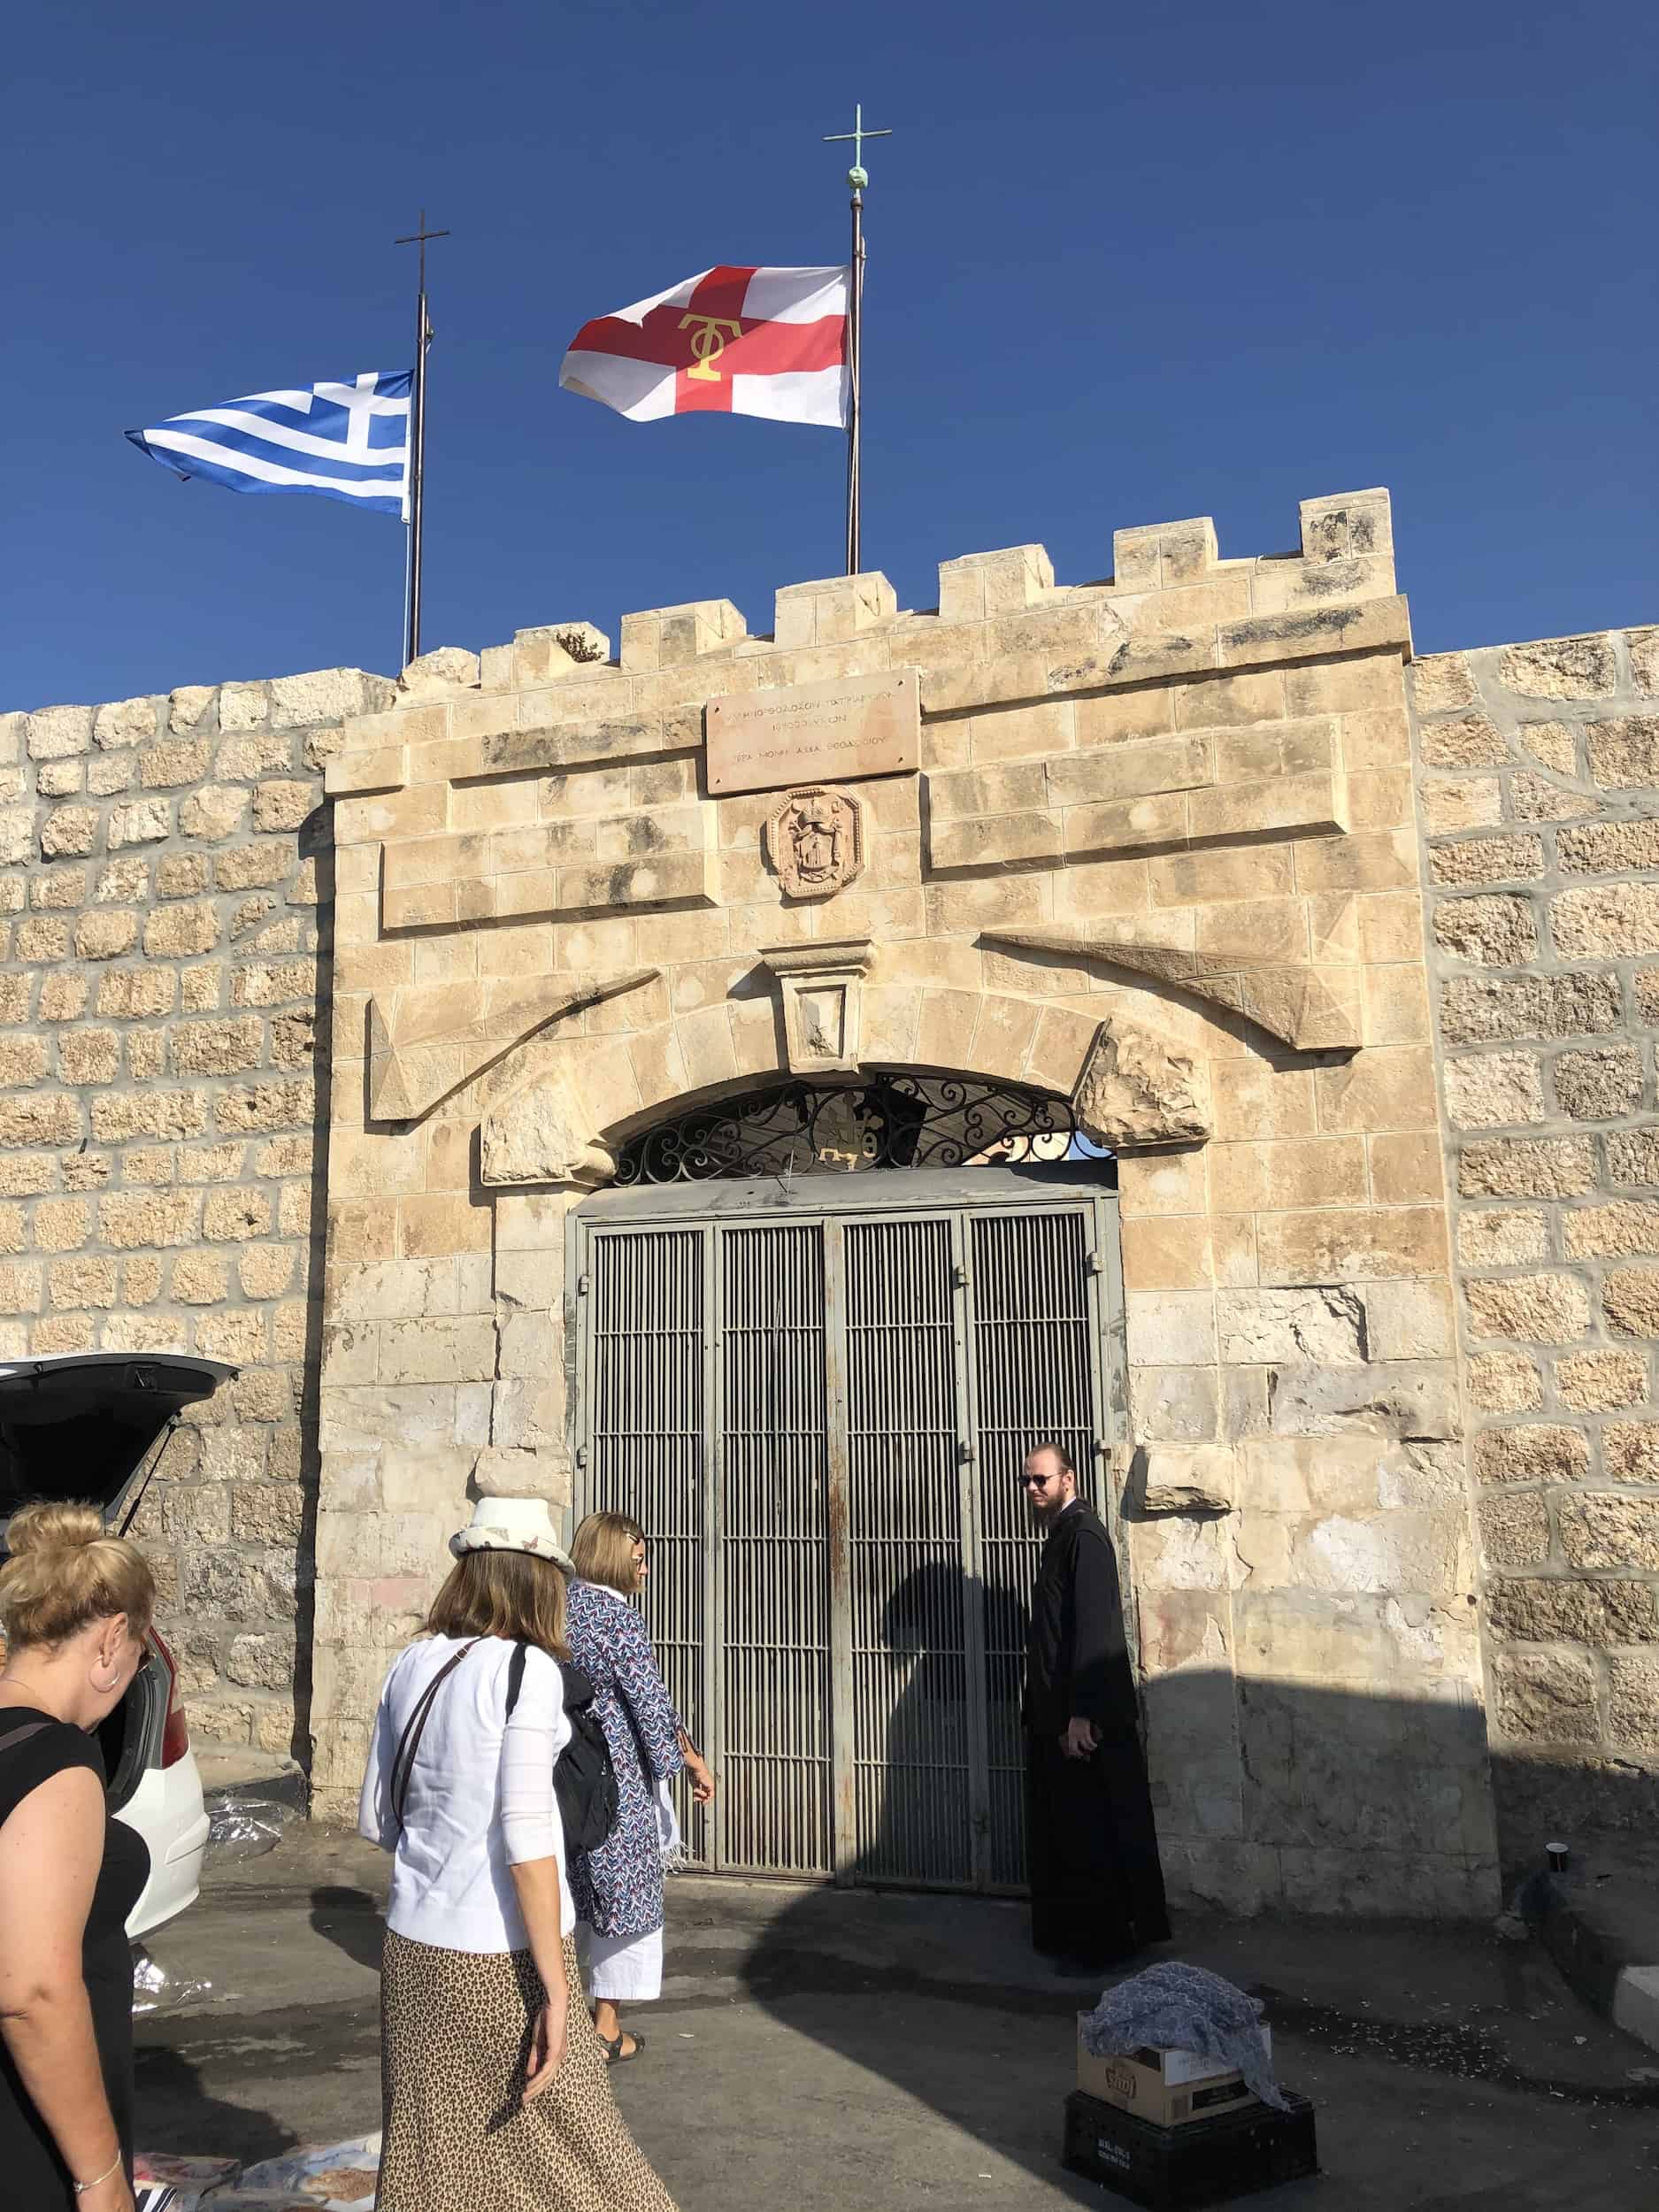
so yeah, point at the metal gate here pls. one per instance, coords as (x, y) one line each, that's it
(816, 1402)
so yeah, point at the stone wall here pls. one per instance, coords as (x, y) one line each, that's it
(166, 898)
(1160, 857)
(1539, 774)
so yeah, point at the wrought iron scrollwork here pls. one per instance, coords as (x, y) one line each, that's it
(890, 1121)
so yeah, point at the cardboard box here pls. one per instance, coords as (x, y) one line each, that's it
(1165, 2088)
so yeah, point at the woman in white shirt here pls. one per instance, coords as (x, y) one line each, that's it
(494, 2090)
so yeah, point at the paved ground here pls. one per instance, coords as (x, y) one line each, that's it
(880, 2053)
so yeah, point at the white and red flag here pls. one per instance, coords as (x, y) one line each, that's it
(731, 341)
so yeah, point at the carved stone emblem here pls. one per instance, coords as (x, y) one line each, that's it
(815, 839)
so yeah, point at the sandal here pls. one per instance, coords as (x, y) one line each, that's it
(615, 2055)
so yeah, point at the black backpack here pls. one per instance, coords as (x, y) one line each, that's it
(584, 1780)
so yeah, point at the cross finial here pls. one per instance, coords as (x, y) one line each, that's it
(418, 238)
(857, 176)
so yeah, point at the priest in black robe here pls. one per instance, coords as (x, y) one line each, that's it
(1096, 1887)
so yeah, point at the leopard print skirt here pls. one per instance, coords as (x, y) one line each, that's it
(454, 2038)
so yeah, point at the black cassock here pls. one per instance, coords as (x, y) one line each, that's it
(1096, 1887)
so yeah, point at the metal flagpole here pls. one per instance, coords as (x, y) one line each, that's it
(417, 445)
(857, 177)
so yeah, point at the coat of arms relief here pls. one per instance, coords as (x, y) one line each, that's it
(815, 839)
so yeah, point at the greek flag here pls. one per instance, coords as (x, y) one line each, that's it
(345, 441)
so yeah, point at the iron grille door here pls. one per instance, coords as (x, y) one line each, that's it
(821, 1422)
(645, 1369)
(772, 1556)
(1035, 1377)
(914, 1604)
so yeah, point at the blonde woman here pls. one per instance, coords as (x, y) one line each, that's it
(618, 1887)
(75, 1606)
(493, 2092)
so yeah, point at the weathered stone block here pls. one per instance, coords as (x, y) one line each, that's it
(129, 1220)
(1560, 668)
(1505, 1382)
(1527, 1167)
(1630, 1300)
(68, 832)
(215, 811)
(1633, 1712)
(1463, 860)
(1544, 1309)
(1500, 931)
(1460, 802)
(1547, 1698)
(1515, 1528)
(1609, 848)
(1627, 1226)
(172, 932)
(1441, 681)
(1139, 1088)
(1197, 1480)
(1624, 753)
(1600, 1085)
(1478, 1007)
(1605, 1530)
(1606, 921)
(1573, 1612)
(1317, 1325)
(141, 822)
(1405, 1399)
(1501, 1236)
(1489, 1090)
(1470, 742)
(1630, 1449)
(1342, 1244)
(1532, 1453)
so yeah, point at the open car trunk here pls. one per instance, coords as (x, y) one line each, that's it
(96, 1425)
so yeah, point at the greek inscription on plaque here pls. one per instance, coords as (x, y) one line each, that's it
(840, 732)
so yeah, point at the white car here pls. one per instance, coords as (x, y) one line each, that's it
(96, 1425)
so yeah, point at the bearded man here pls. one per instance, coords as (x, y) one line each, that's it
(1096, 1887)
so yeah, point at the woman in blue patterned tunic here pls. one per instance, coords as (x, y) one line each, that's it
(617, 1889)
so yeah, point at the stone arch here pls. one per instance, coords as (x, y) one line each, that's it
(1134, 1085)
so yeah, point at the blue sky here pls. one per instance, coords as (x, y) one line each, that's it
(1127, 265)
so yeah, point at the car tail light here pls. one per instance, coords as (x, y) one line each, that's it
(175, 1736)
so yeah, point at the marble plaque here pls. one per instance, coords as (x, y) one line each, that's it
(833, 733)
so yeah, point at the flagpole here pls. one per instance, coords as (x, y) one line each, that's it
(855, 322)
(417, 445)
(857, 177)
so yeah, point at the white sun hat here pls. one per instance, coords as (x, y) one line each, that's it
(512, 1525)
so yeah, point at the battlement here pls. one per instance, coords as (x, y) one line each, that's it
(1168, 581)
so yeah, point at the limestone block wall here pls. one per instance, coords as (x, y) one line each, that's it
(1539, 775)
(1159, 856)
(165, 903)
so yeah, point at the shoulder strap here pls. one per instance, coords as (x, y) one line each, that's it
(22, 1733)
(515, 1676)
(409, 1744)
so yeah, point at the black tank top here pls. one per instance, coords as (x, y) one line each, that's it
(33, 1747)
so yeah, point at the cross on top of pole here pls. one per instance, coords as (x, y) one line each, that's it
(418, 238)
(857, 176)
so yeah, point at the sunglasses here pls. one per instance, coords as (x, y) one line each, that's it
(1036, 1482)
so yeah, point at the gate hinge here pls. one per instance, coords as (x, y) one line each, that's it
(1091, 1261)
(959, 1275)
(966, 1450)
(584, 1284)
(581, 1455)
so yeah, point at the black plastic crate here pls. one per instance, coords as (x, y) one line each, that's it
(1200, 2162)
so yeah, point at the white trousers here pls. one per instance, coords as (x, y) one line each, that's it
(615, 1968)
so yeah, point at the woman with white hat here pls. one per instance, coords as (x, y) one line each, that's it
(494, 2090)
